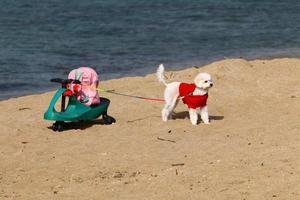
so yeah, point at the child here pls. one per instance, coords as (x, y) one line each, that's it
(88, 93)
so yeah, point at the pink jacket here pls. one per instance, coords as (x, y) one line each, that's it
(88, 77)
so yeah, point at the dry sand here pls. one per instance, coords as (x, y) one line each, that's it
(251, 149)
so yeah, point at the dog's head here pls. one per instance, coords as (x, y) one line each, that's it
(204, 81)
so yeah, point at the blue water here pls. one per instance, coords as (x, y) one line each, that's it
(42, 39)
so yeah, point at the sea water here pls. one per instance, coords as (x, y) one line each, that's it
(44, 39)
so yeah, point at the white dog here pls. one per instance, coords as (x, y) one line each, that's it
(194, 95)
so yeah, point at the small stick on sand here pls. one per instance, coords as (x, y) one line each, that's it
(177, 164)
(165, 140)
(25, 108)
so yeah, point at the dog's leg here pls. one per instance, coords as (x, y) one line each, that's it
(164, 113)
(204, 114)
(176, 103)
(168, 108)
(171, 94)
(193, 116)
(173, 105)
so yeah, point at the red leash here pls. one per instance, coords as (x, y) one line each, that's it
(133, 96)
(153, 99)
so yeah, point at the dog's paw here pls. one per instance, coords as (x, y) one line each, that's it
(165, 118)
(164, 115)
(194, 122)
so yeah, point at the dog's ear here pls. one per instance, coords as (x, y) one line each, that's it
(197, 79)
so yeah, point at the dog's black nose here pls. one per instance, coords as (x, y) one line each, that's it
(211, 85)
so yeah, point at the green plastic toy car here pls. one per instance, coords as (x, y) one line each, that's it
(75, 111)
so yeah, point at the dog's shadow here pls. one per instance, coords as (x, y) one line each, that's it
(185, 114)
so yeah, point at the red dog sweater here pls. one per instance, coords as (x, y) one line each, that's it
(192, 101)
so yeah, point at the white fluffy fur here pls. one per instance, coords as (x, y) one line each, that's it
(203, 82)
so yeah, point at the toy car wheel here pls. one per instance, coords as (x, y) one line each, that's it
(58, 126)
(108, 119)
(54, 127)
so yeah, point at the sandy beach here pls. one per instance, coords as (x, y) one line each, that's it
(250, 150)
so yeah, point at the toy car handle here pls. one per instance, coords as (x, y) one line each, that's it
(65, 81)
(76, 81)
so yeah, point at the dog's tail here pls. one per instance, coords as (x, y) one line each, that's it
(160, 74)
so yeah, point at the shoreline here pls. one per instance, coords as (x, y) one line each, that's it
(168, 68)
